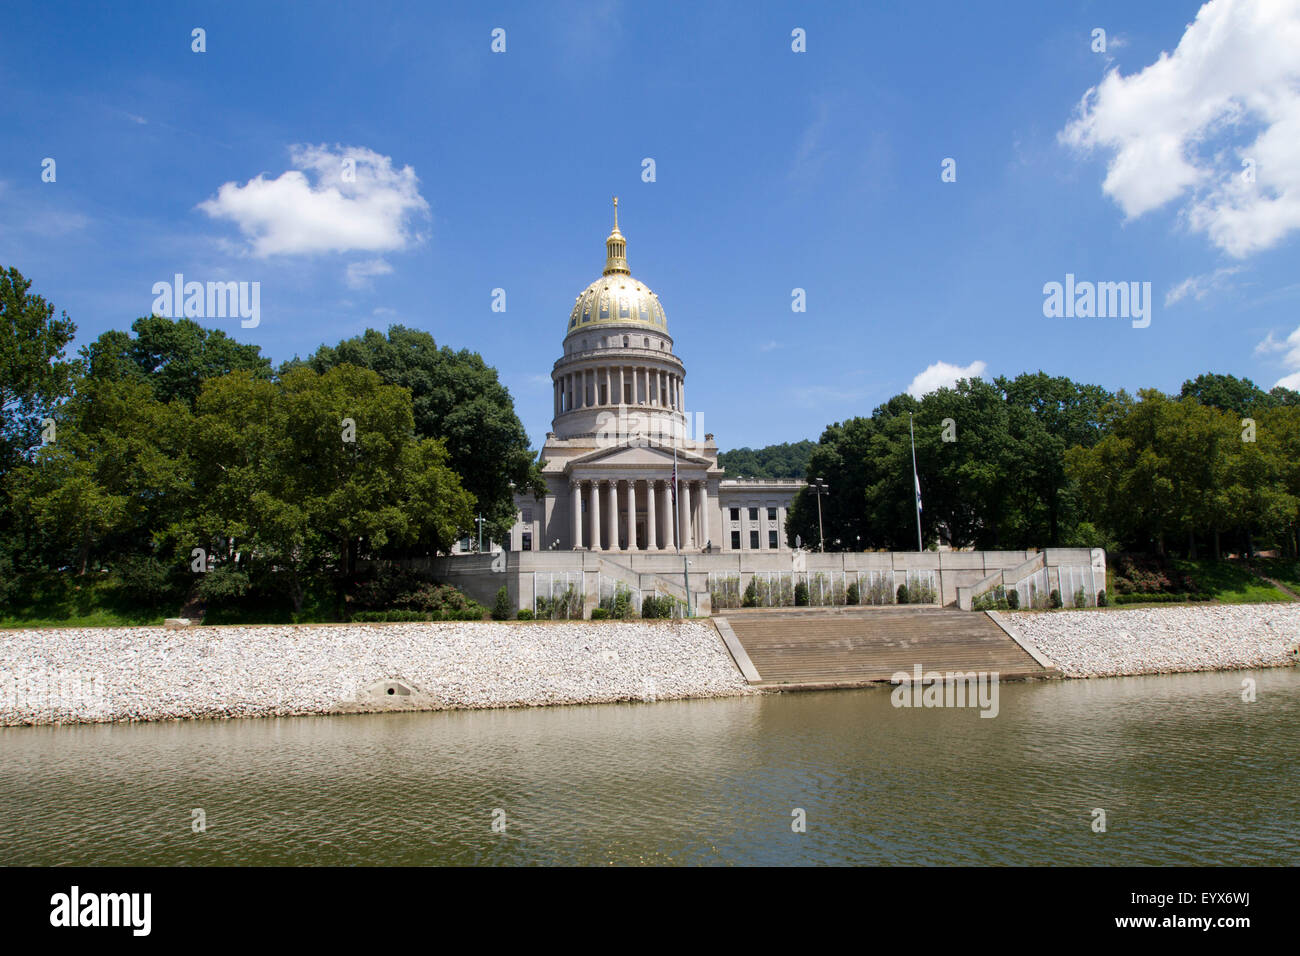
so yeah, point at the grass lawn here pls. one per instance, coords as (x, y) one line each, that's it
(88, 603)
(1229, 582)
(1281, 569)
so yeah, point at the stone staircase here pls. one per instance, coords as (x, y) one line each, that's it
(865, 645)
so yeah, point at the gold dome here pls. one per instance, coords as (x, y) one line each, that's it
(616, 297)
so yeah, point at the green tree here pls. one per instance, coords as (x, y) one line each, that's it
(34, 374)
(304, 476)
(119, 471)
(786, 460)
(173, 356)
(1240, 396)
(456, 398)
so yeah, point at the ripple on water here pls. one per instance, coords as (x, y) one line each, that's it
(1186, 771)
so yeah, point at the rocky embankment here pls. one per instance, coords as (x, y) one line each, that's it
(1163, 640)
(76, 675)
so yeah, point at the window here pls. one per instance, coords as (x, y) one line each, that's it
(753, 516)
(527, 541)
(735, 541)
(647, 342)
(771, 540)
(753, 540)
(735, 514)
(626, 340)
(771, 514)
(528, 516)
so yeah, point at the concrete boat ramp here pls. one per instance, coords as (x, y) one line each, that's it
(808, 648)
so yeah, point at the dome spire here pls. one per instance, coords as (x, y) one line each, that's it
(616, 249)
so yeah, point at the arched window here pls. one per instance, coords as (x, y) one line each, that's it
(626, 341)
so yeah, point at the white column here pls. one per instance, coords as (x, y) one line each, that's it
(651, 532)
(577, 514)
(613, 514)
(594, 511)
(704, 513)
(609, 387)
(666, 500)
(631, 514)
(684, 515)
(620, 385)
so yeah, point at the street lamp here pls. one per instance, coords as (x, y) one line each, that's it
(479, 520)
(819, 487)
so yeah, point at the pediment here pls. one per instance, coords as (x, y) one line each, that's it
(640, 456)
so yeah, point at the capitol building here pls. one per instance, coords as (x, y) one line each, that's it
(621, 433)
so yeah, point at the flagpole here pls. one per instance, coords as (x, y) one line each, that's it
(677, 511)
(677, 522)
(916, 481)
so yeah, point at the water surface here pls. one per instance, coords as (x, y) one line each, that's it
(1186, 771)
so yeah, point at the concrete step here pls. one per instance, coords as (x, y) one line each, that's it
(842, 649)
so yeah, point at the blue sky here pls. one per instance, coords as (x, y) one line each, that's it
(774, 170)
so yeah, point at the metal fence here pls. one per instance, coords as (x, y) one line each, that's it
(1078, 582)
(557, 595)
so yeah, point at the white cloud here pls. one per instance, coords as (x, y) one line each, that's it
(1291, 360)
(943, 375)
(1168, 126)
(1198, 287)
(770, 346)
(1269, 344)
(313, 208)
(360, 273)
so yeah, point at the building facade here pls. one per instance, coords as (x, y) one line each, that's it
(624, 469)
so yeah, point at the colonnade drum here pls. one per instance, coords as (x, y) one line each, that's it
(639, 515)
(614, 385)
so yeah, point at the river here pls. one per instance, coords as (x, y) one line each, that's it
(1185, 770)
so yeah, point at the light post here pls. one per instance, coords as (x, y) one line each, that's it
(819, 487)
(479, 520)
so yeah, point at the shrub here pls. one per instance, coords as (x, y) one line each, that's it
(389, 616)
(1160, 598)
(501, 609)
(851, 594)
(1080, 598)
(599, 614)
(474, 613)
(1013, 600)
(801, 594)
(900, 596)
(222, 584)
(751, 594)
(1055, 598)
(663, 606)
(618, 604)
(1101, 598)
(144, 579)
(525, 614)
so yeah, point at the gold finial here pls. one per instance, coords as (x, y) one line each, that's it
(616, 249)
